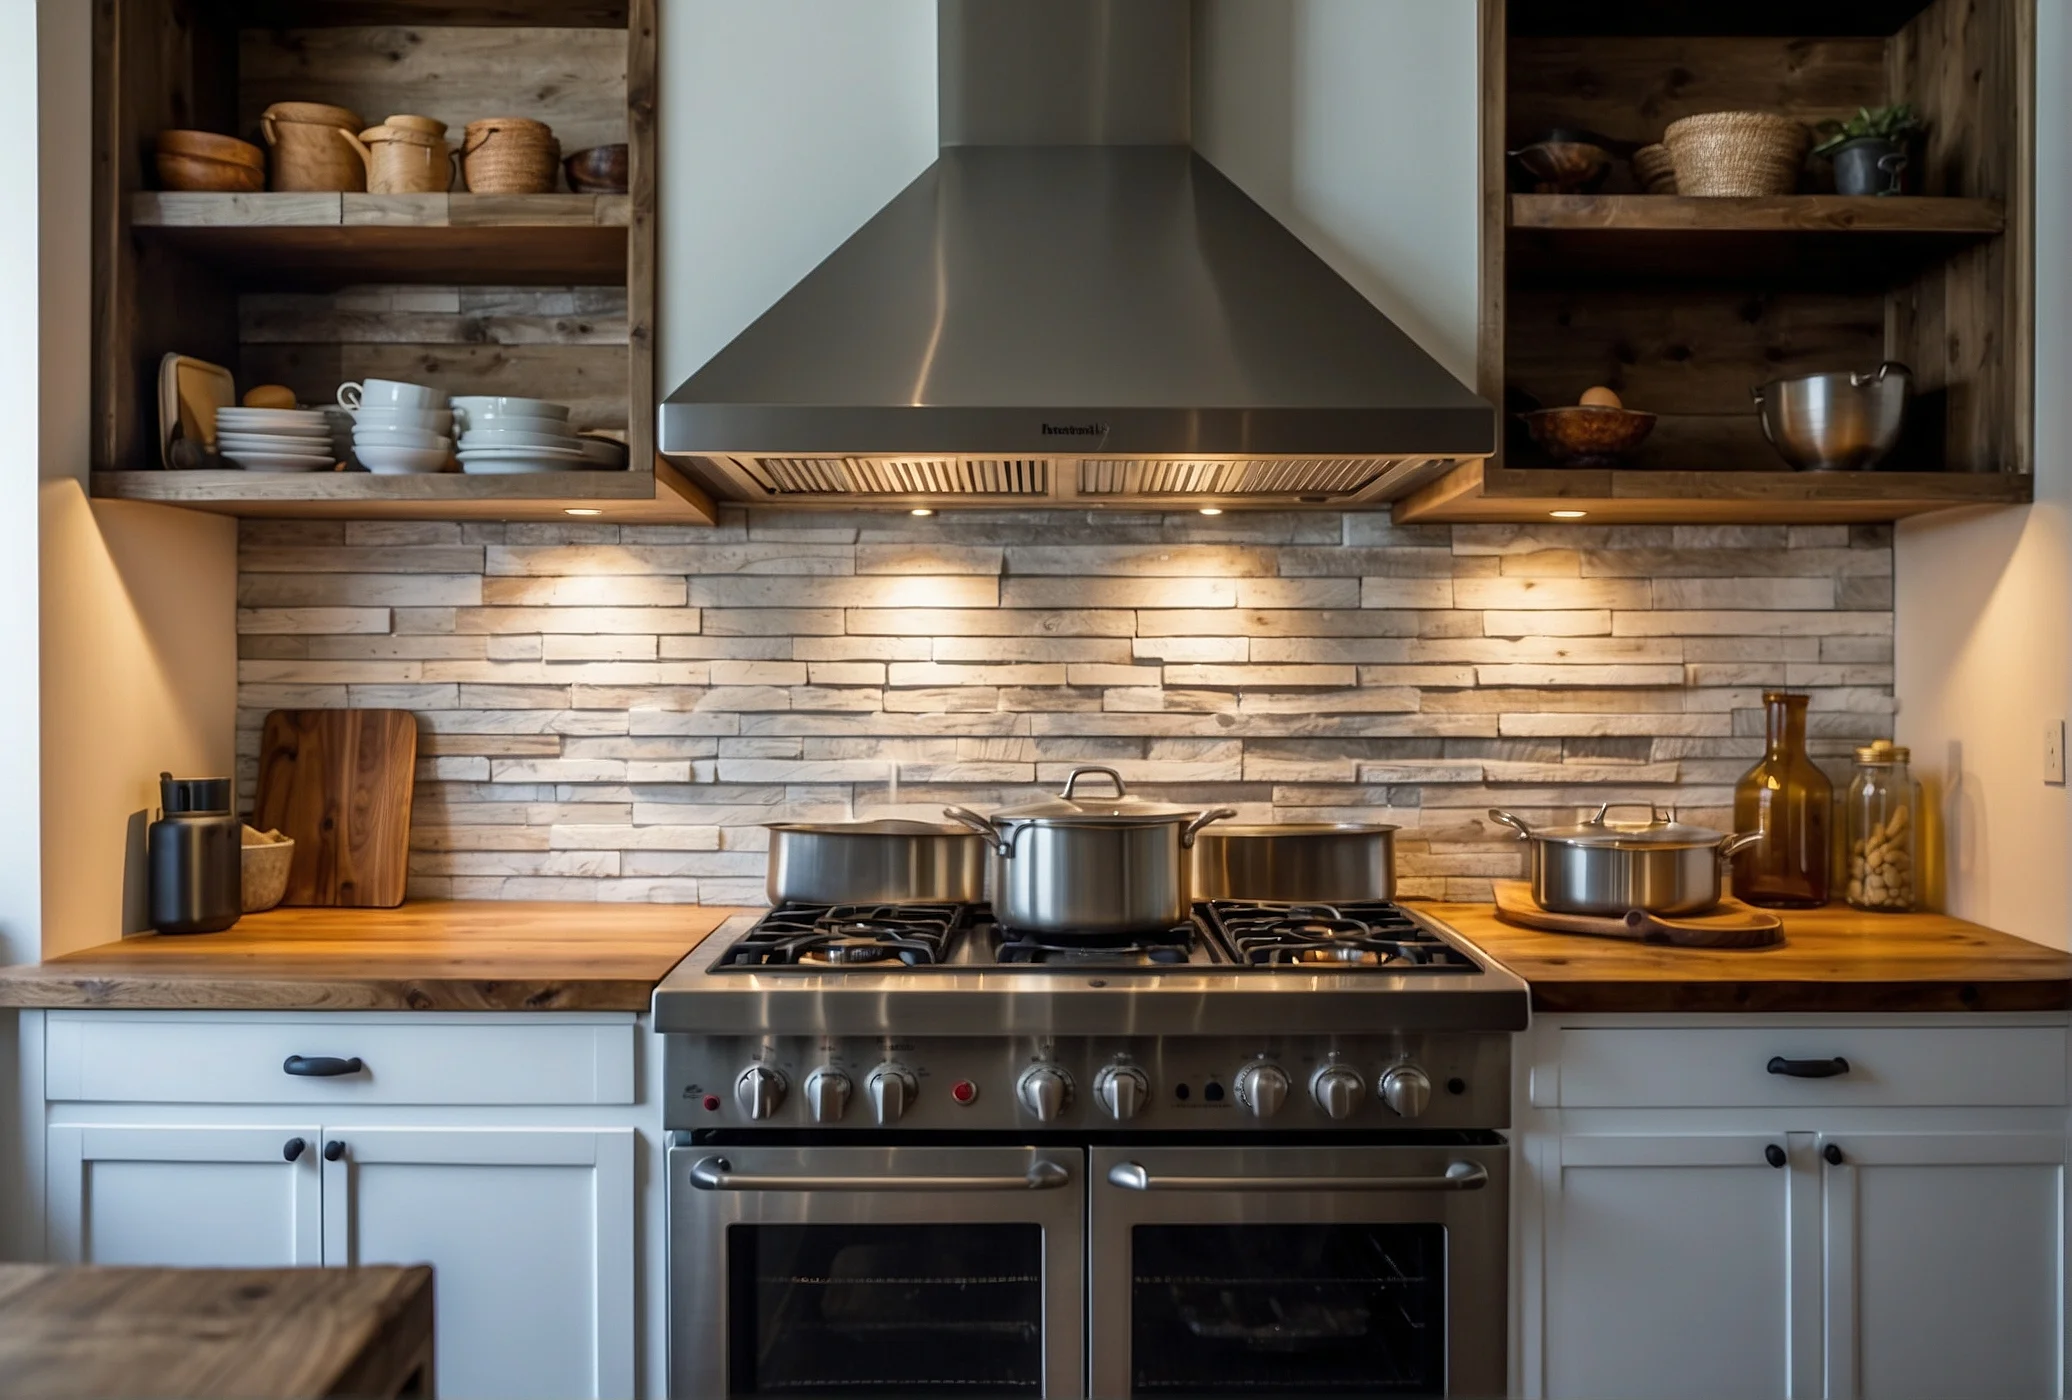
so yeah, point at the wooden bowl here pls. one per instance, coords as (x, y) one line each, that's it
(1562, 167)
(1589, 437)
(207, 145)
(183, 172)
(599, 170)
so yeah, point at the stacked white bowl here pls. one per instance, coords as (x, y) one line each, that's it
(506, 436)
(276, 439)
(399, 429)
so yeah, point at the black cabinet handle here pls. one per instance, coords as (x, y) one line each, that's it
(321, 1066)
(1774, 1155)
(1809, 1069)
(1833, 1154)
(333, 1150)
(292, 1149)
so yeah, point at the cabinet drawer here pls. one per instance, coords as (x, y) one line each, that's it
(188, 1057)
(1704, 1067)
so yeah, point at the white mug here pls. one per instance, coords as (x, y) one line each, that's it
(389, 393)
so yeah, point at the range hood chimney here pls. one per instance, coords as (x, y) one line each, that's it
(1071, 307)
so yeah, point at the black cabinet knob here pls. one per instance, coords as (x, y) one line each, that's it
(292, 1149)
(321, 1066)
(333, 1150)
(1774, 1155)
(1808, 1069)
(1832, 1154)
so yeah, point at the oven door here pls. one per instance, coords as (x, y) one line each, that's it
(1297, 1271)
(863, 1271)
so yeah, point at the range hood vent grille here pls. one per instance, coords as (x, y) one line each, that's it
(1332, 478)
(900, 476)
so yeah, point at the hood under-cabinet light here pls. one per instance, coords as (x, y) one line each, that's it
(581, 510)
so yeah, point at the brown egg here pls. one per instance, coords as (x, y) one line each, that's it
(269, 396)
(1601, 397)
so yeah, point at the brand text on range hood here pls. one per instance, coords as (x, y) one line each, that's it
(1071, 306)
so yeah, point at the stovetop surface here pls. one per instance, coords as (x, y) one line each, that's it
(1230, 936)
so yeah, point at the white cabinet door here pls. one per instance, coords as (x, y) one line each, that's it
(1669, 1267)
(1944, 1256)
(184, 1195)
(529, 1232)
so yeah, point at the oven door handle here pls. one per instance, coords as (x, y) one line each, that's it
(715, 1174)
(1458, 1176)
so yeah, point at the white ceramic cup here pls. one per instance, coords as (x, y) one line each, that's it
(431, 420)
(389, 393)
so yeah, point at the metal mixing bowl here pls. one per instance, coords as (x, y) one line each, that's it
(1835, 422)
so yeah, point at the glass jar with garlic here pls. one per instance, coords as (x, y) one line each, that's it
(1882, 822)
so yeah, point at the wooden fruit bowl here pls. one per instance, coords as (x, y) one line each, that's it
(1589, 437)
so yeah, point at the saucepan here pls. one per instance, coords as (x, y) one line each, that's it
(875, 862)
(1090, 866)
(1296, 862)
(1598, 866)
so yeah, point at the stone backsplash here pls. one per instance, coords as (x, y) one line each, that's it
(611, 712)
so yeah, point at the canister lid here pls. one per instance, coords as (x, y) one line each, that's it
(1884, 751)
(193, 796)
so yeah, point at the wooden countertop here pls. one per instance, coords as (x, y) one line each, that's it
(1832, 960)
(89, 1332)
(425, 956)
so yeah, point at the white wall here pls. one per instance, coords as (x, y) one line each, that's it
(1355, 122)
(1985, 607)
(823, 109)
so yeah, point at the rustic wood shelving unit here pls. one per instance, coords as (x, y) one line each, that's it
(547, 295)
(1684, 304)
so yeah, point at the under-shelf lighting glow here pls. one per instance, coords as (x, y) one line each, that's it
(1568, 514)
(920, 510)
(581, 510)
(1212, 510)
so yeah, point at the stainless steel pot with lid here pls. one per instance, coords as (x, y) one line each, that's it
(1093, 866)
(1606, 867)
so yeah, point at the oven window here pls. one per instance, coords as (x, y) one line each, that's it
(1289, 1310)
(893, 1309)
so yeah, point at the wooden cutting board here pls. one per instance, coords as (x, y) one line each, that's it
(1734, 925)
(339, 782)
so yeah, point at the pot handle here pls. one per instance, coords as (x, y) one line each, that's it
(1072, 779)
(1734, 845)
(1877, 376)
(1517, 824)
(964, 816)
(1189, 831)
(359, 147)
(1655, 814)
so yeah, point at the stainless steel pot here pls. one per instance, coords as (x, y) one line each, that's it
(880, 862)
(1309, 862)
(1090, 866)
(1662, 866)
(1835, 422)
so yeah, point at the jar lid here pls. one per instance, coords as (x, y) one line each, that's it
(1883, 751)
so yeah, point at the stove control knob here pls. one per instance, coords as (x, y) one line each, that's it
(1044, 1090)
(827, 1095)
(1406, 1089)
(1263, 1088)
(759, 1091)
(1122, 1089)
(892, 1089)
(1337, 1088)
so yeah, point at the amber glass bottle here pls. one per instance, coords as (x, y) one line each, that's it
(1790, 801)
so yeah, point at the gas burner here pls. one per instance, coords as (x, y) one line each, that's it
(1174, 947)
(1341, 938)
(842, 936)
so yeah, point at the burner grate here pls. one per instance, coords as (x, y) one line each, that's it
(1174, 947)
(1332, 937)
(850, 936)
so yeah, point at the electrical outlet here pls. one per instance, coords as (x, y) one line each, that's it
(2054, 753)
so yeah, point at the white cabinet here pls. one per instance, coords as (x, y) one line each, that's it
(529, 1234)
(184, 1194)
(1669, 1266)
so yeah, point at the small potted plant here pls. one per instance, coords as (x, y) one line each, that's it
(1869, 150)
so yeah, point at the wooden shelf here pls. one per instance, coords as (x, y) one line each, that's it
(1477, 492)
(315, 14)
(1789, 18)
(665, 497)
(313, 241)
(1797, 238)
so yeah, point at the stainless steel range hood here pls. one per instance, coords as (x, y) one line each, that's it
(1071, 307)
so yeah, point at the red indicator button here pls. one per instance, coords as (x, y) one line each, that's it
(964, 1091)
(712, 1103)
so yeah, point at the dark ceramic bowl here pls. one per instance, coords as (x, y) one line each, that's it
(1562, 167)
(599, 170)
(1589, 437)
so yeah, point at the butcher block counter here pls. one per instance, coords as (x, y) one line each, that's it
(431, 956)
(1835, 959)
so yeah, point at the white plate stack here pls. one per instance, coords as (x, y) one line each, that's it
(276, 439)
(399, 429)
(507, 437)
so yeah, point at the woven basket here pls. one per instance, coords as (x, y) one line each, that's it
(510, 155)
(1737, 154)
(1655, 169)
